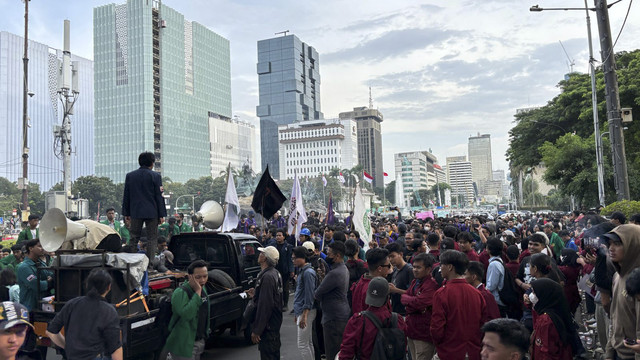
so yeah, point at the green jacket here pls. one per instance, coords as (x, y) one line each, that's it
(125, 235)
(116, 224)
(26, 235)
(184, 321)
(28, 279)
(557, 243)
(163, 230)
(9, 261)
(185, 228)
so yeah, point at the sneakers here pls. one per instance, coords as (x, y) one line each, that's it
(590, 320)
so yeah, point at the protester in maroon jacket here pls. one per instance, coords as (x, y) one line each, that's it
(512, 254)
(418, 302)
(379, 265)
(474, 276)
(360, 333)
(459, 311)
(465, 242)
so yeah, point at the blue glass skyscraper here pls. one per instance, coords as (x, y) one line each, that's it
(289, 84)
(158, 79)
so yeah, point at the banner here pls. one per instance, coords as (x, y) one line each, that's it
(361, 221)
(297, 214)
(233, 206)
(267, 199)
(447, 197)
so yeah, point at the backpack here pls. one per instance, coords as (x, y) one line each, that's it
(165, 312)
(509, 293)
(391, 342)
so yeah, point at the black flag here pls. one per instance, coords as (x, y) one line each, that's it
(267, 198)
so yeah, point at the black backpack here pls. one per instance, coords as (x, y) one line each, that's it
(165, 312)
(391, 342)
(509, 293)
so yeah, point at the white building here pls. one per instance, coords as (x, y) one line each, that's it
(232, 141)
(417, 171)
(480, 158)
(44, 110)
(441, 173)
(315, 147)
(459, 176)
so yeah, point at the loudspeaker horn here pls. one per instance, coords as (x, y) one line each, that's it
(211, 214)
(55, 229)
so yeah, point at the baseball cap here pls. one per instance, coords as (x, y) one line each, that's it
(508, 233)
(270, 252)
(309, 245)
(12, 314)
(377, 292)
(305, 231)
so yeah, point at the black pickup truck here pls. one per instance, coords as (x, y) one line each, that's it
(233, 268)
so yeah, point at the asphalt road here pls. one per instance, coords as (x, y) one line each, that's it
(234, 348)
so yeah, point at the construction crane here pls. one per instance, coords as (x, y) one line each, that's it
(571, 61)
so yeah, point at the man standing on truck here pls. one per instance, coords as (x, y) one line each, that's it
(189, 325)
(29, 279)
(267, 299)
(31, 232)
(91, 324)
(143, 203)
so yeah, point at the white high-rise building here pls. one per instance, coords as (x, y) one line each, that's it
(459, 176)
(311, 148)
(417, 170)
(232, 141)
(44, 110)
(480, 158)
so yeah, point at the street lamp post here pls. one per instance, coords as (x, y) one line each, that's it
(594, 96)
(25, 121)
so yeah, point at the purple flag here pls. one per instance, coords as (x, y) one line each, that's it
(331, 217)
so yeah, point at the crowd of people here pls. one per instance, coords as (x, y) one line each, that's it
(541, 286)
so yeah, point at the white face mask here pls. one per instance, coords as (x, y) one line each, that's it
(533, 298)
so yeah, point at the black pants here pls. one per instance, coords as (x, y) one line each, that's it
(152, 235)
(269, 345)
(333, 332)
(318, 335)
(286, 280)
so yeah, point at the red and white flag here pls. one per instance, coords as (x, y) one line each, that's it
(341, 178)
(368, 178)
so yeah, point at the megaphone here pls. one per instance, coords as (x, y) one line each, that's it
(211, 214)
(55, 229)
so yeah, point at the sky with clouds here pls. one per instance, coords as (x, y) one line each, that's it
(439, 71)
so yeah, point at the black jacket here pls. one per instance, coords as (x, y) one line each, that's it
(142, 197)
(268, 301)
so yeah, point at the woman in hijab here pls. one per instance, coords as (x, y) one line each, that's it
(551, 337)
(571, 270)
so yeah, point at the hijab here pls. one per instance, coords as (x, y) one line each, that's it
(569, 257)
(552, 301)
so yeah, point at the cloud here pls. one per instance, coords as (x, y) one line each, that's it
(392, 44)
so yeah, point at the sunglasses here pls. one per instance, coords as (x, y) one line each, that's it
(387, 266)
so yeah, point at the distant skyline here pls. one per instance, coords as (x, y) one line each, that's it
(439, 72)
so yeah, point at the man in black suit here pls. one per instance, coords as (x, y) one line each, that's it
(142, 202)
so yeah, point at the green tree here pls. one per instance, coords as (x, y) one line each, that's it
(571, 165)
(97, 190)
(571, 112)
(391, 192)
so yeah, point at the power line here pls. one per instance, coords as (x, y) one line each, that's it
(623, 23)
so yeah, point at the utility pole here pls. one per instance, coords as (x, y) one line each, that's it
(25, 119)
(596, 122)
(68, 91)
(613, 102)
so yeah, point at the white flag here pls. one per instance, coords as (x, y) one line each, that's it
(324, 181)
(297, 214)
(341, 178)
(361, 220)
(233, 205)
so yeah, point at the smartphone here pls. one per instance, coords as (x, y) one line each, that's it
(630, 341)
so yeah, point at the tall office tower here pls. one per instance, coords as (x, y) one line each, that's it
(158, 79)
(289, 85)
(412, 169)
(459, 176)
(44, 110)
(480, 158)
(311, 148)
(232, 142)
(369, 140)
